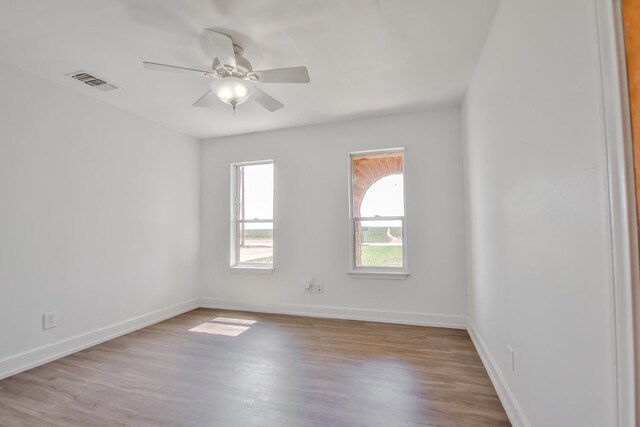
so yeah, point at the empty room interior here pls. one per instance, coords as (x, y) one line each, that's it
(363, 213)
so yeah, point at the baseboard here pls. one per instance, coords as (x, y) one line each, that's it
(511, 406)
(30, 359)
(333, 312)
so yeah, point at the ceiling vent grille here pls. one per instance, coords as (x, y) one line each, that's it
(93, 81)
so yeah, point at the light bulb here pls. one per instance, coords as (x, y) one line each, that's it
(225, 93)
(240, 91)
(232, 90)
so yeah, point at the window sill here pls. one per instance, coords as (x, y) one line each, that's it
(249, 269)
(377, 274)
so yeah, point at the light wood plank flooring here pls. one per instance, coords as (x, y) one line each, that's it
(281, 371)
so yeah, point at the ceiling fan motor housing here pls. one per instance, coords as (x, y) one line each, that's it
(243, 66)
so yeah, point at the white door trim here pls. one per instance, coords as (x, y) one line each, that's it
(621, 199)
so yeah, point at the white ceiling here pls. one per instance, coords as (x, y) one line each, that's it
(365, 57)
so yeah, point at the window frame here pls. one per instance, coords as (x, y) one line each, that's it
(234, 247)
(372, 271)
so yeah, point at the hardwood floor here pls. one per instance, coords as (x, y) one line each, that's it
(281, 371)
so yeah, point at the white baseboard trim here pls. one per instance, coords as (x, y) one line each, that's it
(333, 312)
(38, 356)
(511, 406)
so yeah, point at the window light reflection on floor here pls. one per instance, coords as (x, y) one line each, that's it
(232, 320)
(226, 326)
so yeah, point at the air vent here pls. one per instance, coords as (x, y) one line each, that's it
(93, 81)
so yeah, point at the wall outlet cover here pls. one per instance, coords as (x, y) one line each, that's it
(50, 320)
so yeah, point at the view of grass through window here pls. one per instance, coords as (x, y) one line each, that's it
(256, 245)
(381, 245)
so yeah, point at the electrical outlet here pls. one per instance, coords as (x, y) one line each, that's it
(511, 358)
(318, 288)
(50, 320)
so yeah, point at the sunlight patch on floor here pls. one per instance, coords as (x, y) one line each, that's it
(219, 329)
(233, 320)
(227, 326)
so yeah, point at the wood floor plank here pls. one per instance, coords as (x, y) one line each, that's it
(279, 371)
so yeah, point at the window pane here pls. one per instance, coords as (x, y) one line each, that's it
(255, 242)
(255, 187)
(377, 184)
(378, 243)
(385, 197)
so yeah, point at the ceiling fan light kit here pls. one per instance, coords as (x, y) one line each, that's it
(234, 78)
(232, 90)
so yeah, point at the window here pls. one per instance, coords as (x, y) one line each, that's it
(378, 226)
(252, 215)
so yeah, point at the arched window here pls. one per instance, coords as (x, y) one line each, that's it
(377, 211)
(384, 197)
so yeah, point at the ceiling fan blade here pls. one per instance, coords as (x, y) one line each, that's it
(221, 46)
(172, 68)
(206, 100)
(267, 101)
(283, 75)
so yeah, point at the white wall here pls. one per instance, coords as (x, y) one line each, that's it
(311, 220)
(98, 219)
(538, 230)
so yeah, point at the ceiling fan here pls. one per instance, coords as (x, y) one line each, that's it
(233, 77)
